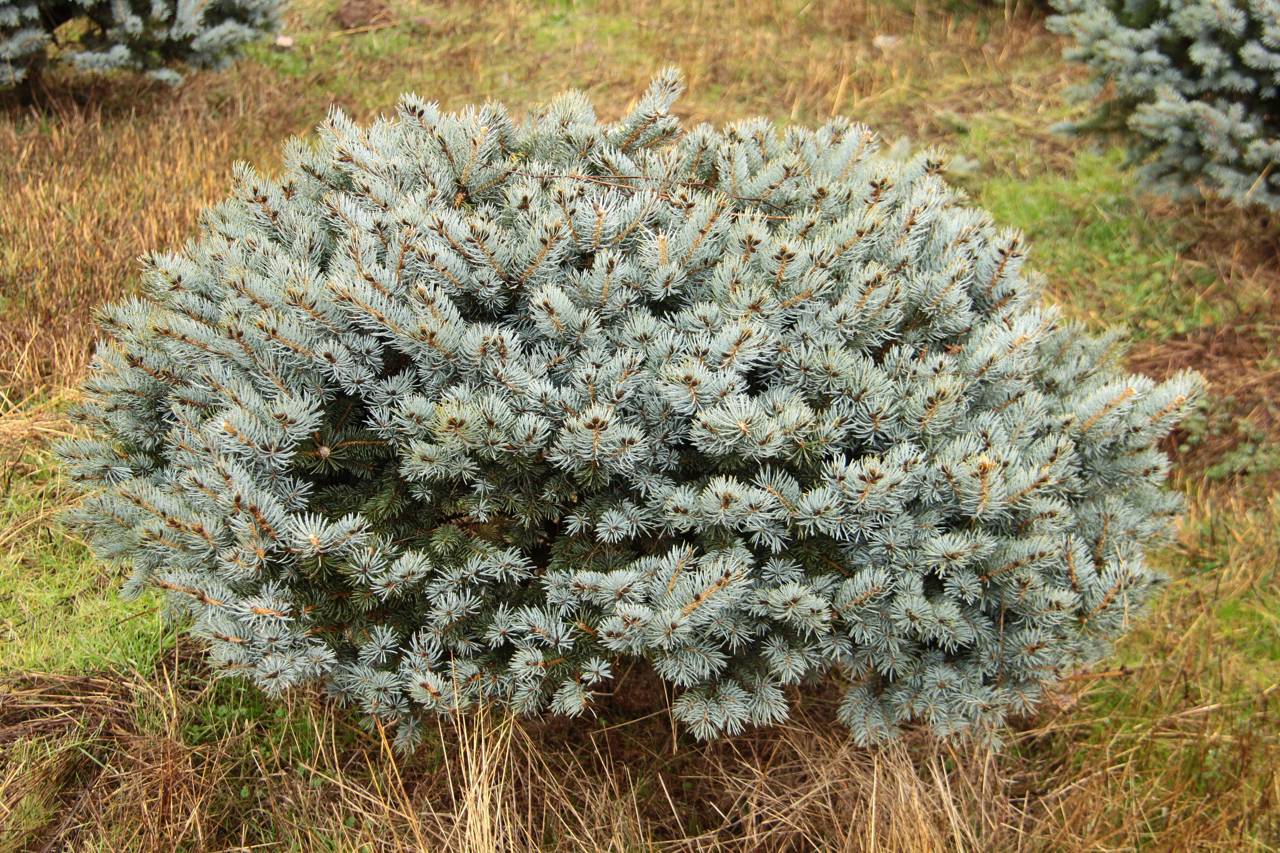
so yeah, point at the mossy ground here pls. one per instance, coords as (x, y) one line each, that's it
(112, 738)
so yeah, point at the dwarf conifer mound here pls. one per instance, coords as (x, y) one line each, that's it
(462, 409)
(1194, 84)
(156, 36)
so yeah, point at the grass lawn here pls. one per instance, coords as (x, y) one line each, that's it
(112, 737)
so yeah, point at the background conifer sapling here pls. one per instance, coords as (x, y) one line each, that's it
(1193, 84)
(157, 36)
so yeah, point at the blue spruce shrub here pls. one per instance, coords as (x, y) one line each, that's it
(155, 36)
(462, 409)
(1195, 85)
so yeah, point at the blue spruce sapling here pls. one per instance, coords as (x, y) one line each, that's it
(466, 409)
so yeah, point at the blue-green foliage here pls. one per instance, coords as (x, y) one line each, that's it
(1194, 83)
(155, 36)
(460, 408)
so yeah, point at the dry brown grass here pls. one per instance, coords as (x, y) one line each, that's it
(86, 193)
(101, 762)
(110, 762)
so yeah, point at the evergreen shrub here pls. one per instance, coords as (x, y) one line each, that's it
(1194, 85)
(460, 408)
(154, 36)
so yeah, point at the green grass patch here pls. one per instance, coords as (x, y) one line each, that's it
(60, 610)
(1106, 258)
(1253, 627)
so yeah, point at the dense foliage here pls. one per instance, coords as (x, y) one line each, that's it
(1194, 83)
(463, 409)
(155, 36)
